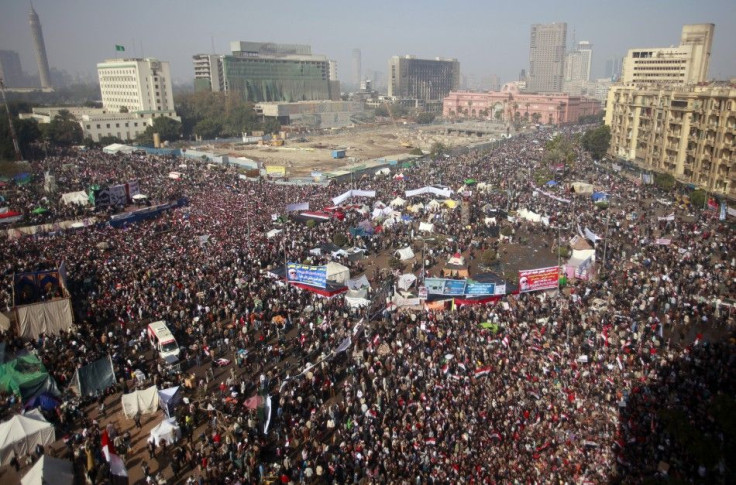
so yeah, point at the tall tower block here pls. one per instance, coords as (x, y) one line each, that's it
(40, 48)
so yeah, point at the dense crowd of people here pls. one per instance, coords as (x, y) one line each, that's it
(596, 383)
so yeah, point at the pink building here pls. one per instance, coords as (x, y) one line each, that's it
(510, 104)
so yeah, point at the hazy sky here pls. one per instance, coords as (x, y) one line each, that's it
(487, 37)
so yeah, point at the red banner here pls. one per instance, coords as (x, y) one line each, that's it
(538, 279)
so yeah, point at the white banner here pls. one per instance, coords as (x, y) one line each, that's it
(297, 206)
(429, 190)
(353, 193)
(591, 235)
(670, 217)
(551, 196)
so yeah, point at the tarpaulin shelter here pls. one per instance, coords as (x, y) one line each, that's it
(404, 253)
(426, 227)
(599, 196)
(166, 430)
(357, 298)
(397, 202)
(582, 188)
(144, 401)
(47, 317)
(456, 267)
(406, 280)
(49, 470)
(20, 435)
(80, 198)
(45, 401)
(27, 376)
(94, 377)
(337, 272)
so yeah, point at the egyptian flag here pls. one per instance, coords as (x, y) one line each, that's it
(483, 371)
(430, 441)
(505, 341)
(117, 467)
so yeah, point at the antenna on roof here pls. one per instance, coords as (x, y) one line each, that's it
(212, 41)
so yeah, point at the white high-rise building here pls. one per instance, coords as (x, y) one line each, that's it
(136, 85)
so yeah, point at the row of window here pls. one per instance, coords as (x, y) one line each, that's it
(117, 125)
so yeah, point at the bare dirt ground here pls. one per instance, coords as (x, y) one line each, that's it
(303, 153)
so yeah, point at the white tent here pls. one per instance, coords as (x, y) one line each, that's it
(273, 232)
(426, 227)
(404, 253)
(166, 430)
(358, 283)
(416, 207)
(433, 204)
(397, 202)
(79, 198)
(118, 148)
(4, 322)
(406, 280)
(145, 401)
(337, 272)
(357, 298)
(20, 435)
(140, 197)
(383, 171)
(49, 470)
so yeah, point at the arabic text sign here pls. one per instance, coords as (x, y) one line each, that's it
(480, 289)
(538, 279)
(309, 275)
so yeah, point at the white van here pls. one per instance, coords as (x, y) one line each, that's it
(163, 340)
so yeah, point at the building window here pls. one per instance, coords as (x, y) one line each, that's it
(108, 126)
(98, 127)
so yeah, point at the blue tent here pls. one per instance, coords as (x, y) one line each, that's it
(599, 196)
(45, 400)
(551, 183)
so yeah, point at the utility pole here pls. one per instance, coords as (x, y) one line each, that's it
(16, 145)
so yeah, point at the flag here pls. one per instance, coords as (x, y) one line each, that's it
(483, 371)
(505, 341)
(117, 467)
(430, 441)
(119, 48)
(344, 345)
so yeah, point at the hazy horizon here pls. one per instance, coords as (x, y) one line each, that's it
(487, 38)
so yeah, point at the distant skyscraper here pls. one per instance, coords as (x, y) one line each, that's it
(357, 67)
(547, 57)
(10, 70)
(40, 48)
(613, 68)
(522, 75)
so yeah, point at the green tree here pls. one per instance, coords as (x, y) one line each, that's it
(697, 198)
(416, 151)
(425, 118)
(536, 117)
(27, 132)
(597, 141)
(559, 151)
(339, 239)
(438, 150)
(208, 128)
(123, 109)
(489, 256)
(664, 181)
(381, 110)
(63, 130)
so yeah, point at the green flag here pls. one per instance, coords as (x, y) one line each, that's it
(120, 48)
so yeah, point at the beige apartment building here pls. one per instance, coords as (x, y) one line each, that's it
(685, 63)
(688, 131)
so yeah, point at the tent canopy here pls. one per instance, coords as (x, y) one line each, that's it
(582, 188)
(144, 401)
(20, 435)
(166, 430)
(97, 376)
(169, 398)
(27, 377)
(404, 253)
(337, 272)
(49, 470)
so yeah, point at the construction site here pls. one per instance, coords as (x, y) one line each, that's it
(304, 152)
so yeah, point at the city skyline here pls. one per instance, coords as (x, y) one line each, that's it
(423, 29)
